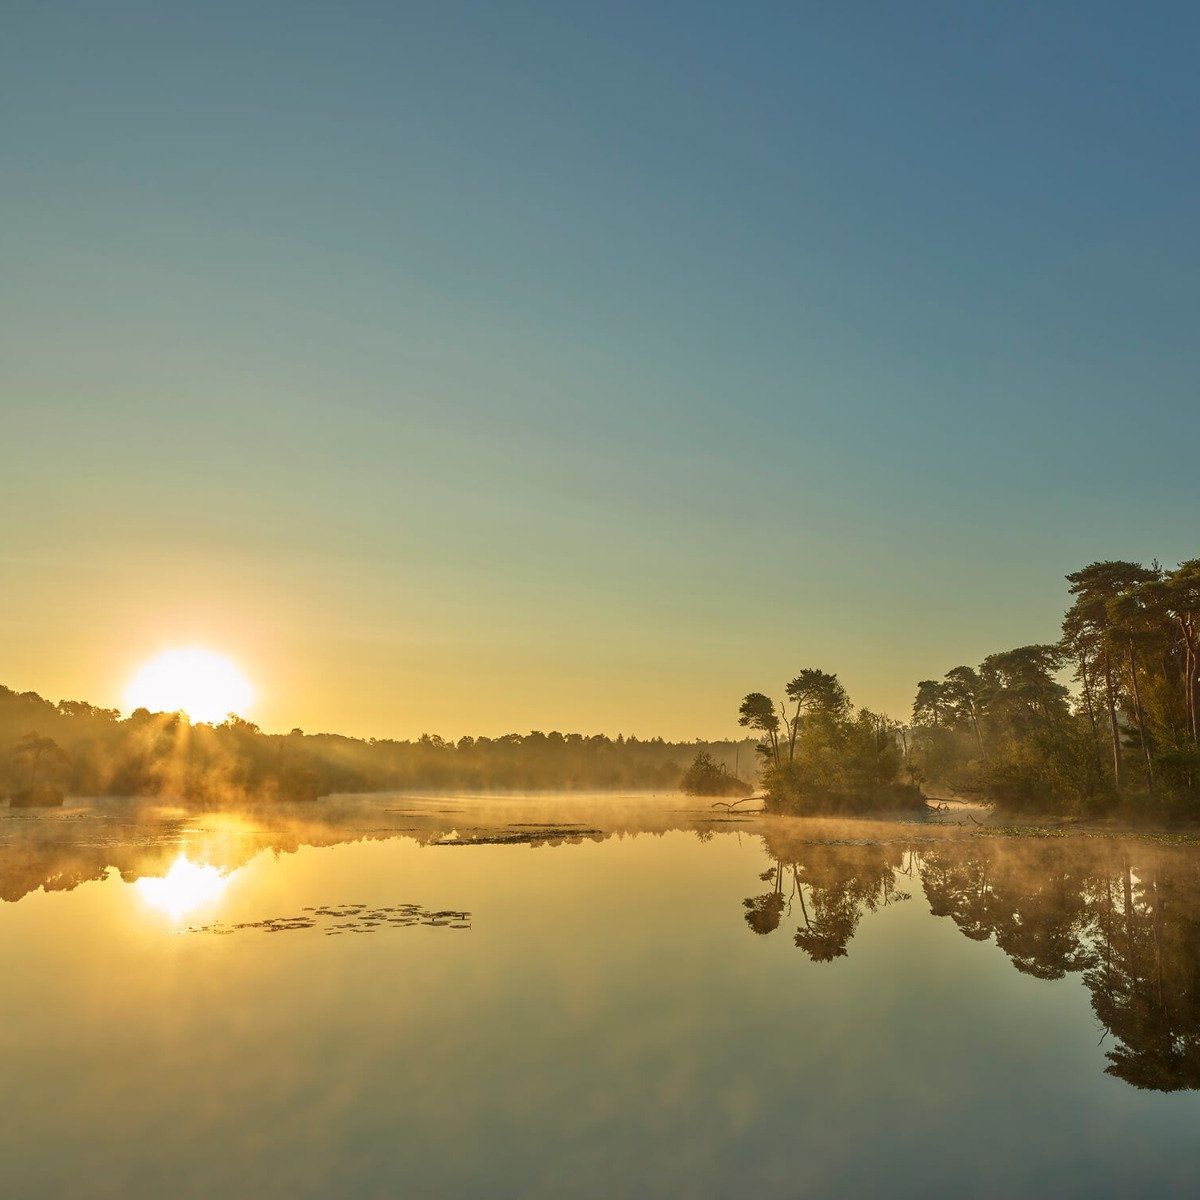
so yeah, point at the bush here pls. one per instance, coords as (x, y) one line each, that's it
(707, 777)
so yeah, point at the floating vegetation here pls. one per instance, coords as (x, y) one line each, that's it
(337, 919)
(514, 837)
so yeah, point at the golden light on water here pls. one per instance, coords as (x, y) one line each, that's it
(195, 680)
(184, 888)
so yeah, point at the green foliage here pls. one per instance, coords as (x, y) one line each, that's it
(829, 759)
(707, 777)
(757, 712)
(1125, 738)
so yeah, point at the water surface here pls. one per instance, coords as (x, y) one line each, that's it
(558, 997)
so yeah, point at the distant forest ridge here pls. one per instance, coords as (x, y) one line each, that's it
(76, 748)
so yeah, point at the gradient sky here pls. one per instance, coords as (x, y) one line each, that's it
(469, 368)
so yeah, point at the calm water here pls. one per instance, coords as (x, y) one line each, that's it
(395, 997)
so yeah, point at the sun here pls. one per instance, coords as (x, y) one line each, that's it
(186, 886)
(194, 680)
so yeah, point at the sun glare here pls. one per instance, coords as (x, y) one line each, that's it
(205, 685)
(185, 887)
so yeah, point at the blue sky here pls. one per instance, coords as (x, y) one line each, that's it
(506, 366)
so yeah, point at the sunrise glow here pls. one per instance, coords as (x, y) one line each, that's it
(194, 680)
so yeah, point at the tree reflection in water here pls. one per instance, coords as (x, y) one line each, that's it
(1124, 915)
(830, 889)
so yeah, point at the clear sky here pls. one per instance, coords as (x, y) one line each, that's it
(470, 368)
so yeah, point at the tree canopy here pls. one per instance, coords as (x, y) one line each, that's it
(1125, 737)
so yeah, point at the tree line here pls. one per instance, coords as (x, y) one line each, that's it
(48, 750)
(1125, 737)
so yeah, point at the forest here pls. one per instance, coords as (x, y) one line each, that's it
(48, 750)
(1105, 720)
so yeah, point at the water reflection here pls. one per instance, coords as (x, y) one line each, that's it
(842, 883)
(186, 887)
(59, 850)
(1123, 914)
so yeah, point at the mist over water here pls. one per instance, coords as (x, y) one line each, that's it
(599, 996)
(599, 601)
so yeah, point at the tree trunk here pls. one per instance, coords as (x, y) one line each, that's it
(1091, 712)
(1191, 692)
(1188, 629)
(1194, 690)
(1087, 695)
(1114, 729)
(1141, 717)
(975, 722)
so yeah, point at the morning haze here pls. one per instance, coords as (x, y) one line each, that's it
(599, 600)
(563, 369)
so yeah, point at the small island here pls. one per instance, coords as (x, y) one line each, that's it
(820, 756)
(707, 777)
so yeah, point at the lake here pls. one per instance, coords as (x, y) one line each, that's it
(591, 996)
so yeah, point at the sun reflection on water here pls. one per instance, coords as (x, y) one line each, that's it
(184, 888)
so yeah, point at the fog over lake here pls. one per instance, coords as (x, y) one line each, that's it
(632, 996)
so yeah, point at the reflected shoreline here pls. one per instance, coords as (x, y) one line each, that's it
(1120, 911)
